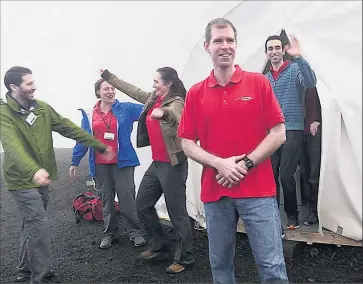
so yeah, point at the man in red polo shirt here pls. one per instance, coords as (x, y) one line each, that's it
(238, 121)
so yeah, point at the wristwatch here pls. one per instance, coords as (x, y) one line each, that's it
(248, 162)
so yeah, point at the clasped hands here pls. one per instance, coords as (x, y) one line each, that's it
(231, 170)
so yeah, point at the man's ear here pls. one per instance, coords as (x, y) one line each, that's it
(13, 87)
(206, 47)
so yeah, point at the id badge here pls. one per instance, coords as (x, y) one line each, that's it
(109, 136)
(31, 118)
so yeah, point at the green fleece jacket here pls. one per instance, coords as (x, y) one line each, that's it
(29, 147)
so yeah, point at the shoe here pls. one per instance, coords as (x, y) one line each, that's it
(22, 277)
(311, 219)
(25, 276)
(150, 254)
(198, 227)
(292, 222)
(49, 275)
(175, 268)
(107, 241)
(139, 241)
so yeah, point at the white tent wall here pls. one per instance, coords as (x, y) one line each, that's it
(65, 44)
(331, 39)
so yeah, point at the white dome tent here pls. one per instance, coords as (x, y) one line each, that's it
(331, 37)
(133, 40)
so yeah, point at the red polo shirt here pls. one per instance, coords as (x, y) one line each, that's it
(230, 121)
(282, 68)
(158, 148)
(101, 122)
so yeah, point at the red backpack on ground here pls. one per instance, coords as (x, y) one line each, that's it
(88, 206)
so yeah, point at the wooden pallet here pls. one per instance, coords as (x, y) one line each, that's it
(305, 234)
(311, 235)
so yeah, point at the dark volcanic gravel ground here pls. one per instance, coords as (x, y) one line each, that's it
(77, 258)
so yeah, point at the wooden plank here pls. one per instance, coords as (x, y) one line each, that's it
(328, 238)
(311, 237)
(301, 235)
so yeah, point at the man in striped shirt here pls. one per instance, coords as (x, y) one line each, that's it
(289, 79)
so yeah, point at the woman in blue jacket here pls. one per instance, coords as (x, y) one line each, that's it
(111, 122)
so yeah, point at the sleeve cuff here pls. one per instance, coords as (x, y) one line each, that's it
(106, 75)
(34, 171)
(187, 136)
(166, 115)
(276, 122)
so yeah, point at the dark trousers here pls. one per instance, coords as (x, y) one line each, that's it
(284, 163)
(109, 181)
(310, 169)
(163, 178)
(35, 246)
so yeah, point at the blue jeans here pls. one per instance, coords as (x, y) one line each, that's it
(261, 218)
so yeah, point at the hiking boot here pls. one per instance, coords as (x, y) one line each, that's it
(150, 253)
(107, 241)
(292, 222)
(25, 276)
(179, 267)
(139, 241)
(311, 219)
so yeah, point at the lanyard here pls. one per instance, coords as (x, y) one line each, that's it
(109, 124)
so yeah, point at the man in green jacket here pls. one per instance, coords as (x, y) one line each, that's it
(26, 126)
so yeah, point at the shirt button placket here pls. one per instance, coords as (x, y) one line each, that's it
(224, 99)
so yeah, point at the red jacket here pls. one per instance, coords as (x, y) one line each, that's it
(312, 109)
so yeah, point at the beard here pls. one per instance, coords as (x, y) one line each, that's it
(27, 95)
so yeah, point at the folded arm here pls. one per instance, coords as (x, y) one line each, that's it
(273, 140)
(173, 112)
(228, 168)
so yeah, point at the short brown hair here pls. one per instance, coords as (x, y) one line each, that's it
(98, 86)
(15, 76)
(218, 23)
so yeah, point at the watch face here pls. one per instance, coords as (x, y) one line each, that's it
(248, 163)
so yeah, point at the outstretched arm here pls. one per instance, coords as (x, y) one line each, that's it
(127, 88)
(68, 129)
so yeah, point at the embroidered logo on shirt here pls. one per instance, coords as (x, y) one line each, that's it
(244, 98)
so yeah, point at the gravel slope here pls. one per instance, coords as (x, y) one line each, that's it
(77, 258)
